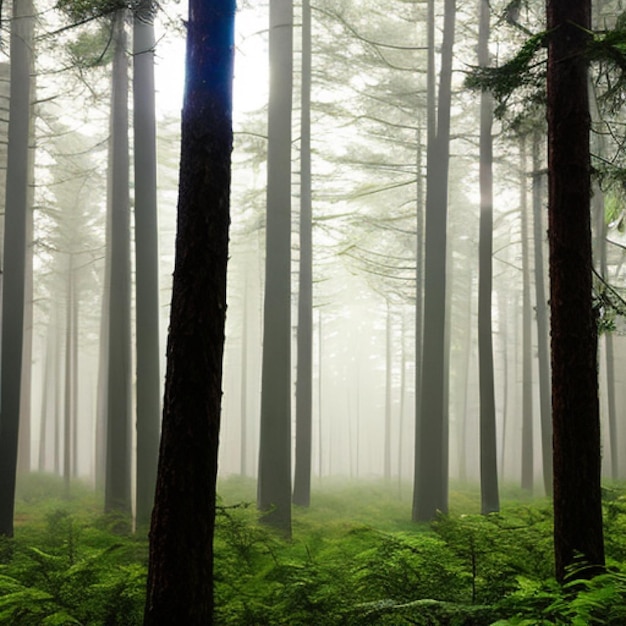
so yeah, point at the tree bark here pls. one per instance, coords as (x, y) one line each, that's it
(15, 254)
(575, 412)
(146, 262)
(274, 484)
(180, 572)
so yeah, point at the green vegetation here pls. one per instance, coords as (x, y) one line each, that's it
(354, 559)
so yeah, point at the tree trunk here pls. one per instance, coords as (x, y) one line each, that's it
(15, 254)
(430, 485)
(180, 572)
(304, 381)
(575, 412)
(146, 262)
(527, 377)
(274, 485)
(117, 495)
(541, 311)
(490, 500)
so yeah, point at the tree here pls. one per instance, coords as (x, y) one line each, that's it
(15, 254)
(430, 487)
(147, 260)
(274, 485)
(488, 449)
(575, 411)
(118, 438)
(304, 381)
(180, 571)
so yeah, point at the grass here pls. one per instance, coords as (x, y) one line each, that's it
(355, 558)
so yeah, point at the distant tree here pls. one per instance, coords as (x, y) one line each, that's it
(304, 380)
(14, 266)
(490, 501)
(117, 491)
(147, 259)
(430, 486)
(180, 571)
(575, 413)
(274, 484)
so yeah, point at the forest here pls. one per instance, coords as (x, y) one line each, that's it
(312, 312)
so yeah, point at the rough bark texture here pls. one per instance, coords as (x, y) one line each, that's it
(180, 573)
(490, 501)
(577, 502)
(274, 485)
(14, 255)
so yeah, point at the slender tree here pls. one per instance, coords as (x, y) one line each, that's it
(274, 484)
(147, 260)
(430, 485)
(180, 572)
(304, 381)
(117, 494)
(490, 501)
(575, 412)
(15, 254)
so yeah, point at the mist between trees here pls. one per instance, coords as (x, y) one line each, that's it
(388, 281)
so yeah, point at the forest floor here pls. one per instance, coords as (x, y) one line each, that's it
(354, 558)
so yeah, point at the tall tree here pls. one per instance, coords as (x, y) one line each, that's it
(575, 411)
(117, 492)
(274, 484)
(147, 260)
(430, 491)
(490, 501)
(15, 253)
(180, 572)
(304, 380)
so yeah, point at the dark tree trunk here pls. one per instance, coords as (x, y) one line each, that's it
(14, 266)
(180, 572)
(490, 500)
(575, 412)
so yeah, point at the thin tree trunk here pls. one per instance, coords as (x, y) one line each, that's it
(541, 312)
(388, 395)
(490, 500)
(304, 380)
(147, 261)
(274, 484)
(118, 455)
(527, 379)
(15, 254)
(430, 486)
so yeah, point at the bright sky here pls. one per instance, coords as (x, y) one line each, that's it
(251, 68)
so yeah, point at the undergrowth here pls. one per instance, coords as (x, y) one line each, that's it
(355, 558)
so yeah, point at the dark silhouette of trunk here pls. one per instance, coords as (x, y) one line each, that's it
(541, 312)
(14, 266)
(117, 495)
(490, 500)
(575, 412)
(180, 571)
(527, 379)
(274, 484)
(430, 484)
(147, 262)
(304, 381)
